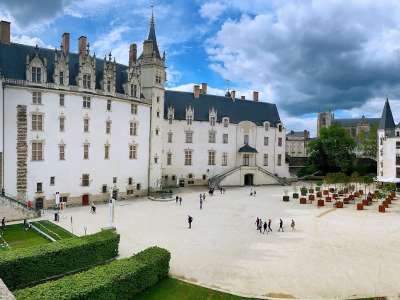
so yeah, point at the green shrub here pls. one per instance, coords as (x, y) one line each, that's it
(22, 267)
(120, 279)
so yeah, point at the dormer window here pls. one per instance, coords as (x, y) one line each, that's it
(37, 74)
(266, 126)
(61, 78)
(109, 85)
(86, 81)
(226, 122)
(189, 116)
(280, 127)
(212, 120)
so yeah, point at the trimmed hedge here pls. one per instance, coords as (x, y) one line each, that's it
(120, 279)
(22, 267)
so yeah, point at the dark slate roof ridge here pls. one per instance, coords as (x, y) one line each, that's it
(247, 148)
(387, 121)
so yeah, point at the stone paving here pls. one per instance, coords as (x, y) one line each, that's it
(334, 253)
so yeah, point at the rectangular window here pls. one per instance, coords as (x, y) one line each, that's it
(225, 138)
(397, 172)
(212, 120)
(246, 159)
(170, 118)
(132, 128)
(188, 137)
(138, 187)
(224, 159)
(280, 142)
(188, 157)
(62, 99)
(62, 123)
(169, 137)
(397, 145)
(106, 151)
(85, 125)
(86, 102)
(211, 158)
(86, 81)
(211, 136)
(189, 119)
(104, 188)
(265, 159)
(86, 151)
(108, 105)
(279, 159)
(133, 109)
(85, 180)
(39, 187)
(52, 180)
(36, 74)
(37, 151)
(132, 152)
(37, 122)
(114, 179)
(61, 78)
(135, 91)
(397, 160)
(61, 152)
(246, 139)
(108, 85)
(226, 122)
(37, 97)
(169, 158)
(266, 141)
(108, 127)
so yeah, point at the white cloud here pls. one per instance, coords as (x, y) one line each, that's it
(212, 10)
(32, 41)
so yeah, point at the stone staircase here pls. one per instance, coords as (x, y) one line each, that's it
(14, 210)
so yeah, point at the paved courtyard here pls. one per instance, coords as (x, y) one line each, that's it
(341, 253)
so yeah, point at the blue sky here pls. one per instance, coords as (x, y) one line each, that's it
(305, 56)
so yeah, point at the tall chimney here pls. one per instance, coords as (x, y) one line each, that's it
(196, 91)
(5, 32)
(233, 95)
(82, 45)
(255, 96)
(65, 43)
(204, 88)
(243, 97)
(132, 54)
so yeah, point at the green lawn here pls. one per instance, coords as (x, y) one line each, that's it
(53, 230)
(172, 289)
(17, 237)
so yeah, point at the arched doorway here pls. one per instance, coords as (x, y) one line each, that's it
(248, 179)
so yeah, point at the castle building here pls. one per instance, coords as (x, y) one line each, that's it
(388, 164)
(90, 128)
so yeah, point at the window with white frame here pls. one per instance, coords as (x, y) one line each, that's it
(279, 160)
(134, 109)
(61, 152)
(61, 78)
(265, 159)
(86, 102)
(37, 97)
(62, 99)
(108, 127)
(226, 122)
(62, 123)
(188, 157)
(86, 81)
(266, 141)
(37, 122)
(37, 150)
(225, 138)
(169, 158)
(106, 151)
(170, 116)
(108, 85)
(86, 125)
(37, 74)
(224, 159)
(85, 180)
(132, 128)
(170, 137)
(211, 158)
(108, 105)
(280, 142)
(246, 139)
(212, 120)
(132, 151)
(86, 151)
(188, 137)
(266, 126)
(211, 136)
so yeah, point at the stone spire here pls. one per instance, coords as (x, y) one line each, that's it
(152, 36)
(387, 122)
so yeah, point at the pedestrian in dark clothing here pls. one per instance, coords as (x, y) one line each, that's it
(201, 203)
(180, 200)
(269, 225)
(280, 225)
(190, 220)
(254, 193)
(176, 199)
(204, 197)
(293, 224)
(265, 227)
(257, 222)
(260, 223)
(3, 222)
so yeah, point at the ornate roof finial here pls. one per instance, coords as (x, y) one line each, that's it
(109, 56)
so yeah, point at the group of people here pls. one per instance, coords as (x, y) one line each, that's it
(253, 192)
(178, 199)
(265, 226)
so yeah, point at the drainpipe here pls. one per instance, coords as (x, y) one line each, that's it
(2, 162)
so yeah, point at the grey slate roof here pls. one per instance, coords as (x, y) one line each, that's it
(387, 121)
(295, 133)
(13, 64)
(354, 122)
(237, 111)
(247, 149)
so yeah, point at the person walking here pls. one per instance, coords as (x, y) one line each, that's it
(180, 200)
(269, 225)
(265, 227)
(190, 220)
(254, 192)
(280, 225)
(204, 196)
(251, 191)
(201, 203)
(260, 224)
(176, 199)
(293, 224)
(3, 223)
(257, 222)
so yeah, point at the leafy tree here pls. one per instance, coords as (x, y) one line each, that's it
(332, 151)
(367, 181)
(368, 142)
